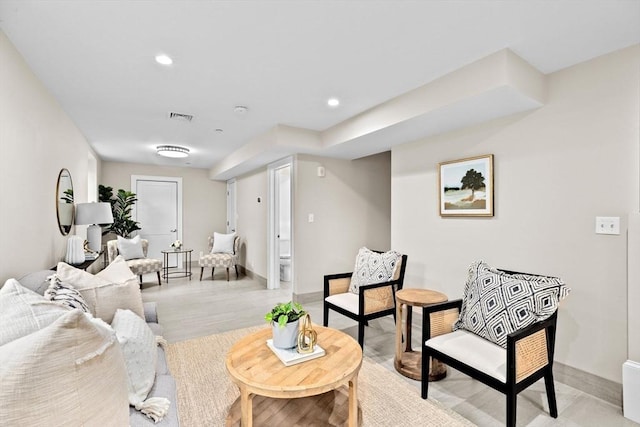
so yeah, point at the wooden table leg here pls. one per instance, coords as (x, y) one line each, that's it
(399, 335)
(246, 408)
(353, 402)
(408, 328)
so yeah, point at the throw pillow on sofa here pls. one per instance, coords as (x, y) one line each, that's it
(69, 373)
(65, 294)
(139, 347)
(496, 303)
(23, 312)
(104, 296)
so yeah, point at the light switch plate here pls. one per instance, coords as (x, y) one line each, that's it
(607, 225)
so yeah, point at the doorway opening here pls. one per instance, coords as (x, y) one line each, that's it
(281, 263)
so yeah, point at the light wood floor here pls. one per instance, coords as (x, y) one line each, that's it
(190, 308)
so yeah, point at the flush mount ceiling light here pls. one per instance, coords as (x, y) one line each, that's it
(164, 59)
(333, 102)
(172, 151)
(240, 109)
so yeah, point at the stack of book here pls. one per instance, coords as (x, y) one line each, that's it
(290, 356)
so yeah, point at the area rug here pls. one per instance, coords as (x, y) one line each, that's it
(205, 391)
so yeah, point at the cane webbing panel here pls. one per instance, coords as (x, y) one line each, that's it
(378, 299)
(531, 354)
(339, 286)
(442, 321)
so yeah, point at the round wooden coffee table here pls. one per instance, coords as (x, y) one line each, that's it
(407, 361)
(258, 372)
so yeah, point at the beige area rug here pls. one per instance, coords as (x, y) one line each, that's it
(205, 391)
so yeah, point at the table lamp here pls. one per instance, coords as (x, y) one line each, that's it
(94, 214)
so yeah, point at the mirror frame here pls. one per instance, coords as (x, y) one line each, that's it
(62, 199)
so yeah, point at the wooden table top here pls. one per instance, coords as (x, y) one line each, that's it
(419, 297)
(253, 365)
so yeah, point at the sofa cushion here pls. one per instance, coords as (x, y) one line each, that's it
(496, 303)
(23, 312)
(164, 385)
(130, 248)
(139, 347)
(223, 243)
(103, 297)
(373, 267)
(68, 373)
(65, 294)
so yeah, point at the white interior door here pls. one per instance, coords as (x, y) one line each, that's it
(231, 206)
(159, 212)
(280, 220)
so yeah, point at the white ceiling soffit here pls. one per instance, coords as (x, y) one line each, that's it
(499, 85)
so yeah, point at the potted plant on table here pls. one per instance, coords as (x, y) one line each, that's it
(284, 319)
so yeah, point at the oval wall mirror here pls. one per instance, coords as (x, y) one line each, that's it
(64, 201)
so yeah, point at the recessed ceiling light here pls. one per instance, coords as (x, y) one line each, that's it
(164, 59)
(219, 130)
(333, 102)
(240, 109)
(172, 151)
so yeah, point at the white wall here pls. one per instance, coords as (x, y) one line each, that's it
(204, 201)
(252, 220)
(37, 139)
(556, 169)
(351, 208)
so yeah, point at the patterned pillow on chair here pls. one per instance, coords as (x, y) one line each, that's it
(373, 267)
(496, 303)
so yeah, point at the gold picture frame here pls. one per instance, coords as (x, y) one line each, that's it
(466, 187)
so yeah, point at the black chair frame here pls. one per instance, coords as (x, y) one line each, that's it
(362, 318)
(511, 387)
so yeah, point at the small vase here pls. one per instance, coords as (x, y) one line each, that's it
(287, 336)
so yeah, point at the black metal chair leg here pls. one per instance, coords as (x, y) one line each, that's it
(159, 281)
(551, 393)
(361, 333)
(511, 408)
(201, 270)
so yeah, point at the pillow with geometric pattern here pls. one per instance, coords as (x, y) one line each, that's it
(497, 303)
(373, 267)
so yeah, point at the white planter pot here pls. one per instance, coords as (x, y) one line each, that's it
(287, 336)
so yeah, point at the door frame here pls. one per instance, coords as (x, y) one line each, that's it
(177, 180)
(273, 254)
(233, 209)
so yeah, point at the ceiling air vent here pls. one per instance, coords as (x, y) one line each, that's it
(181, 117)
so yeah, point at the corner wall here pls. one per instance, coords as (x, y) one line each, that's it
(204, 201)
(556, 169)
(351, 208)
(37, 139)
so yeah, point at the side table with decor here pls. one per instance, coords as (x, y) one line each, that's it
(407, 361)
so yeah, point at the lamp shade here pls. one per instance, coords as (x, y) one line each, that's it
(93, 213)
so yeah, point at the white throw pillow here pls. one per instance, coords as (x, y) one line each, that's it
(70, 373)
(117, 272)
(101, 295)
(223, 243)
(140, 355)
(23, 311)
(130, 248)
(373, 267)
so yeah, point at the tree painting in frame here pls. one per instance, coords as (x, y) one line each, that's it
(466, 187)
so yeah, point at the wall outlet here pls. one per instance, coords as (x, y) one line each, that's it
(607, 225)
(311, 218)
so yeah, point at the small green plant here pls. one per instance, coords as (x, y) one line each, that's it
(284, 313)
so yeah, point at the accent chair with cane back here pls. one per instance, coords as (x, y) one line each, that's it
(502, 332)
(369, 291)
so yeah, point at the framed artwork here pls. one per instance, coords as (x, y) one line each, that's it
(466, 187)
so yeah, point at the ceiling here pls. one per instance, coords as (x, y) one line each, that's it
(280, 59)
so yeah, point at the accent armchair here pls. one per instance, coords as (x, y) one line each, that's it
(515, 359)
(138, 266)
(225, 260)
(371, 302)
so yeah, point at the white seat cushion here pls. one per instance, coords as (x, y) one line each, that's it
(474, 351)
(347, 300)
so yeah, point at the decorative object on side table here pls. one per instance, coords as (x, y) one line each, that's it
(93, 214)
(177, 245)
(284, 318)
